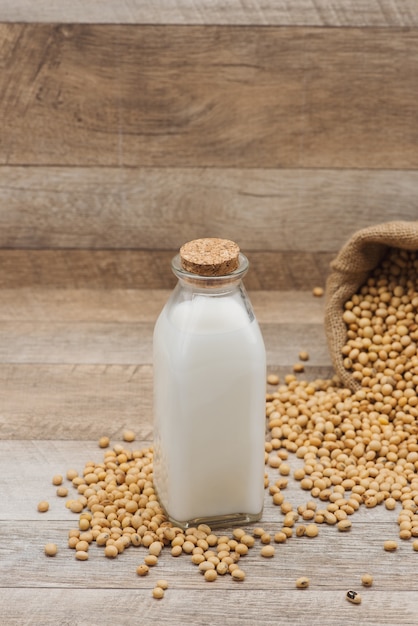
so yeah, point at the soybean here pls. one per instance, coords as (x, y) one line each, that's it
(210, 575)
(155, 548)
(353, 597)
(128, 435)
(272, 379)
(367, 580)
(111, 551)
(267, 551)
(344, 525)
(222, 568)
(176, 550)
(158, 593)
(238, 574)
(311, 530)
(50, 549)
(151, 559)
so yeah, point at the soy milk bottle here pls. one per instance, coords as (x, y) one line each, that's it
(209, 391)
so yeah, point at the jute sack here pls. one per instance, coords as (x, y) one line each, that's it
(349, 270)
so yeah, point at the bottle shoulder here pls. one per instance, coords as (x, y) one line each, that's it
(202, 314)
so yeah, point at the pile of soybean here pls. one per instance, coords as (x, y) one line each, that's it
(358, 449)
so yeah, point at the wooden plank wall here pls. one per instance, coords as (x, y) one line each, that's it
(129, 127)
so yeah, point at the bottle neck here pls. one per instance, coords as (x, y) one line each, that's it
(212, 284)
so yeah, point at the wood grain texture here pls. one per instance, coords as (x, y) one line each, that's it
(272, 98)
(52, 401)
(327, 560)
(280, 12)
(51, 417)
(127, 128)
(142, 269)
(50, 606)
(112, 208)
(55, 401)
(140, 305)
(92, 343)
(62, 331)
(69, 355)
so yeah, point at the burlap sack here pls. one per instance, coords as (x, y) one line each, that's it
(349, 270)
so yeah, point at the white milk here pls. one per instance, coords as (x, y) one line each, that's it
(209, 381)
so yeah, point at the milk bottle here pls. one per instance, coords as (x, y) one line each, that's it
(209, 392)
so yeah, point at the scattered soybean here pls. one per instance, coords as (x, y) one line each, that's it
(302, 582)
(353, 597)
(50, 549)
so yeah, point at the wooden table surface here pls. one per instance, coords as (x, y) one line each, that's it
(75, 364)
(128, 128)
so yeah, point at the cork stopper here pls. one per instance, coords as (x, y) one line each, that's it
(210, 257)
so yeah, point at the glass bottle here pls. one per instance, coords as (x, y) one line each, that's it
(209, 392)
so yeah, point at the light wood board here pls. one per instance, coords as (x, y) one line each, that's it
(208, 96)
(360, 13)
